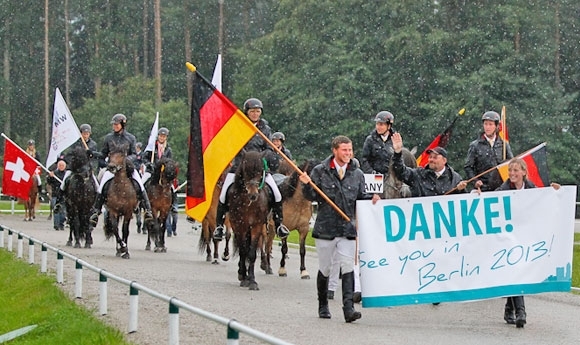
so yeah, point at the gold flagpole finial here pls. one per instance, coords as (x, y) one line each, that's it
(190, 67)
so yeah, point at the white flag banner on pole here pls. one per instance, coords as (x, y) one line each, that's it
(216, 80)
(64, 129)
(153, 135)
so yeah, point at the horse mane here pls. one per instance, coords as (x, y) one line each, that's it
(252, 163)
(290, 184)
(164, 168)
(79, 160)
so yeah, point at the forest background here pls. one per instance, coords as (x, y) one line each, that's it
(321, 68)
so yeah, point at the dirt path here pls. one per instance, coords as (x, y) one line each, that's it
(284, 307)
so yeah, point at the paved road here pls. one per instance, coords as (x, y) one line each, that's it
(287, 307)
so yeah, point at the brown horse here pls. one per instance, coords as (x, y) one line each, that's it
(121, 201)
(208, 225)
(79, 195)
(393, 188)
(297, 215)
(32, 200)
(159, 192)
(248, 202)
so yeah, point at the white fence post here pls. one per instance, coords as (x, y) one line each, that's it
(1, 237)
(30, 251)
(103, 308)
(78, 280)
(43, 259)
(9, 248)
(133, 309)
(59, 268)
(173, 324)
(20, 247)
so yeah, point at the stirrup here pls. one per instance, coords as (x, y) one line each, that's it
(282, 231)
(218, 233)
(148, 216)
(57, 208)
(94, 219)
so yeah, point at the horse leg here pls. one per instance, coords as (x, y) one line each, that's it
(226, 254)
(216, 255)
(126, 221)
(282, 272)
(88, 235)
(75, 227)
(151, 232)
(303, 272)
(253, 285)
(160, 238)
(243, 248)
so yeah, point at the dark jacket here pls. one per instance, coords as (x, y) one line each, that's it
(344, 193)
(377, 154)
(122, 138)
(507, 185)
(167, 153)
(424, 181)
(54, 183)
(481, 157)
(91, 144)
(257, 143)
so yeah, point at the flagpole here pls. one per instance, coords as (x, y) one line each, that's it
(193, 69)
(504, 129)
(495, 167)
(34, 159)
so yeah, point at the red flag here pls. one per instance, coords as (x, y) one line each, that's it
(440, 140)
(537, 161)
(218, 131)
(19, 170)
(503, 130)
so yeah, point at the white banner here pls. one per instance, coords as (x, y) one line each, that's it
(64, 129)
(153, 136)
(374, 183)
(466, 246)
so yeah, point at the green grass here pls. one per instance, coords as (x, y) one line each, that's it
(30, 298)
(6, 205)
(294, 237)
(576, 262)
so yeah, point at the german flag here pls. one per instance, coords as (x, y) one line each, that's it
(537, 161)
(218, 131)
(440, 140)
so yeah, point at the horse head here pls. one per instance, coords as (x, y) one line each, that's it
(117, 159)
(165, 171)
(252, 173)
(395, 188)
(79, 160)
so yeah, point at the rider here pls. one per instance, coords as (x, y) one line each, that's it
(31, 150)
(378, 146)
(91, 148)
(486, 152)
(119, 137)
(253, 110)
(161, 150)
(278, 140)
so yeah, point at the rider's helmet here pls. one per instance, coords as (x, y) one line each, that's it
(280, 136)
(385, 117)
(119, 118)
(31, 142)
(252, 103)
(139, 145)
(85, 128)
(163, 131)
(491, 116)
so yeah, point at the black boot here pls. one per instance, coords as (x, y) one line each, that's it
(218, 233)
(281, 230)
(520, 311)
(350, 314)
(144, 199)
(322, 286)
(509, 313)
(96, 210)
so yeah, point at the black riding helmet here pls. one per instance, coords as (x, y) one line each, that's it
(385, 117)
(252, 103)
(491, 116)
(280, 136)
(119, 118)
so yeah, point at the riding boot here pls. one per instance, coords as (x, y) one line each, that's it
(218, 233)
(322, 286)
(520, 311)
(144, 199)
(174, 207)
(509, 313)
(96, 210)
(350, 314)
(281, 230)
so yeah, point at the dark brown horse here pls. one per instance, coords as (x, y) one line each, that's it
(32, 200)
(121, 201)
(79, 195)
(208, 225)
(297, 215)
(159, 192)
(248, 201)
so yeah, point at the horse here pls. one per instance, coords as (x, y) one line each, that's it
(297, 212)
(79, 196)
(121, 201)
(393, 188)
(248, 203)
(208, 225)
(160, 196)
(31, 201)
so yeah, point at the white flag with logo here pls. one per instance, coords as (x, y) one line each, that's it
(153, 135)
(64, 129)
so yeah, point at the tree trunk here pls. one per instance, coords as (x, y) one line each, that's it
(145, 38)
(46, 79)
(187, 45)
(157, 10)
(66, 54)
(558, 41)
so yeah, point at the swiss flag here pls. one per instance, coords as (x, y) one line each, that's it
(19, 169)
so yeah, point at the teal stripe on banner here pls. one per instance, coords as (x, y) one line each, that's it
(466, 295)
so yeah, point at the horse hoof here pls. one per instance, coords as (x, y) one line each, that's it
(126, 256)
(164, 250)
(304, 275)
(282, 272)
(225, 257)
(147, 247)
(208, 258)
(214, 262)
(254, 286)
(245, 283)
(264, 267)
(88, 245)
(77, 245)
(269, 271)
(118, 254)
(240, 278)
(69, 244)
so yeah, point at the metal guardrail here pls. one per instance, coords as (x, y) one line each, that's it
(233, 327)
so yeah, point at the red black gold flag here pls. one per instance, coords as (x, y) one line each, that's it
(218, 131)
(537, 161)
(440, 140)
